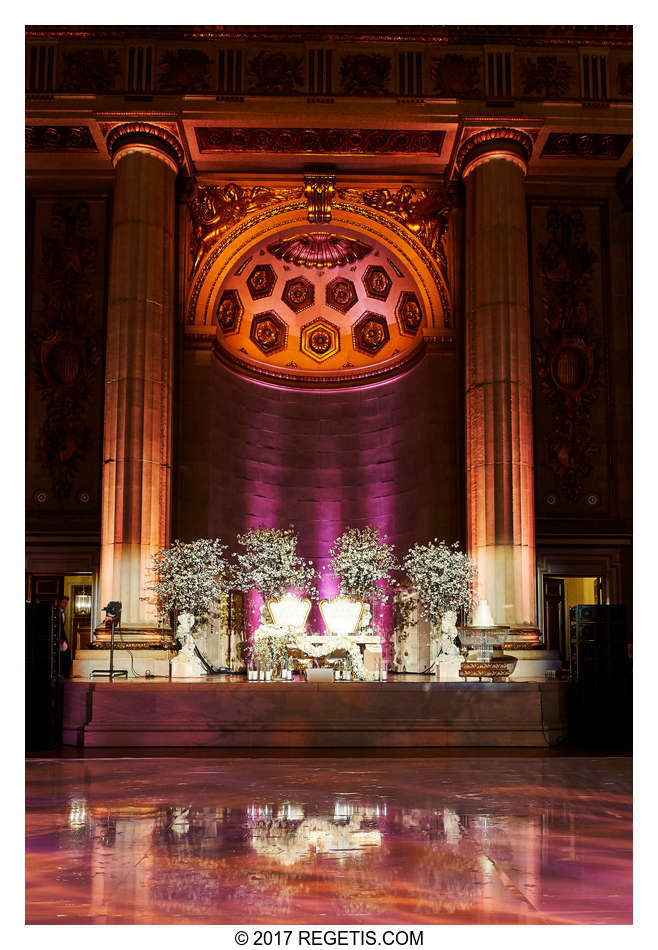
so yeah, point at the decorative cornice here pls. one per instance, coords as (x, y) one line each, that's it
(145, 134)
(319, 141)
(534, 35)
(513, 142)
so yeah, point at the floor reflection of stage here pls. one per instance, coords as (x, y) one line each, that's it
(216, 712)
(264, 838)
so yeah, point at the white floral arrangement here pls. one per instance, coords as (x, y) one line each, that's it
(363, 561)
(348, 644)
(270, 564)
(270, 645)
(443, 576)
(189, 577)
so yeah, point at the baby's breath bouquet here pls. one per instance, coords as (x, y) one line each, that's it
(189, 577)
(270, 564)
(443, 576)
(363, 562)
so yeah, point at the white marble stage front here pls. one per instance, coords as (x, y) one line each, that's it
(230, 712)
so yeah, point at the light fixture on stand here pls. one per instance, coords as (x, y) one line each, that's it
(113, 614)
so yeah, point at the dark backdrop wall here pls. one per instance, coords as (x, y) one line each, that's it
(387, 454)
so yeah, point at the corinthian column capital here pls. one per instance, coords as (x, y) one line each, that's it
(146, 137)
(512, 145)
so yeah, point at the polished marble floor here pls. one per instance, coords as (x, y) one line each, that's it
(321, 839)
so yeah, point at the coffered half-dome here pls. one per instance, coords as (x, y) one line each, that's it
(318, 306)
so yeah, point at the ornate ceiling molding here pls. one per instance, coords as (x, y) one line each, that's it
(514, 142)
(319, 249)
(318, 141)
(144, 134)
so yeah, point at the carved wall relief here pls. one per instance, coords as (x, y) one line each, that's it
(215, 209)
(66, 333)
(365, 75)
(569, 362)
(274, 73)
(185, 70)
(456, 76)
(546, 76)
(90, 70)
(423, 212)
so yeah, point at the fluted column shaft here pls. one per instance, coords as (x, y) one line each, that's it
(499, 431)
(138, 381)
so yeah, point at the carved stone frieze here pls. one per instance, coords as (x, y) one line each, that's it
(215, 209)
(318, 141)
(456, 76)
(365, 74)
(625, 79)
(584, 145)
(274, 73)
(567, 355)
(185, 70)
(546, 76)
(90, 70)
(67, 138)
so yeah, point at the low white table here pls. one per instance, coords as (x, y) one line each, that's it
(371, 647)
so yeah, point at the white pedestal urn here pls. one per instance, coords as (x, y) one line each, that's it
(186, 663)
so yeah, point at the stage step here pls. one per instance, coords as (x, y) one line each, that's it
(232, 713)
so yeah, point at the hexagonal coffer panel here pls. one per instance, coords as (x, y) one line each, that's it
(377, 282)
(261, 281)
(370, 333)
(320, 340)
(341, 294)
(268, 332)
(229, 311)
(299, 294)
(408, 313)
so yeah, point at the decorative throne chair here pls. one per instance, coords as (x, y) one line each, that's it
(341, 615)
(290, 611)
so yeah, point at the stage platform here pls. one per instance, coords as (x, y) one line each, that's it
(230, 712)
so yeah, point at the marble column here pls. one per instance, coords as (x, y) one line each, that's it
(499, 428)
(138, 368)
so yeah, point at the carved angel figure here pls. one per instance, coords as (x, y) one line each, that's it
(216, 209)
(424, 213)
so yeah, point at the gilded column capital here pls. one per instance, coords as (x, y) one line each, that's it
(509, 144)
(145, 137)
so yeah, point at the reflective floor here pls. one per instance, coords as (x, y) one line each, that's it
(317, 840)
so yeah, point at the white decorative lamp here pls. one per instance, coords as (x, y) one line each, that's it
(290, 611)
(341, 615)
